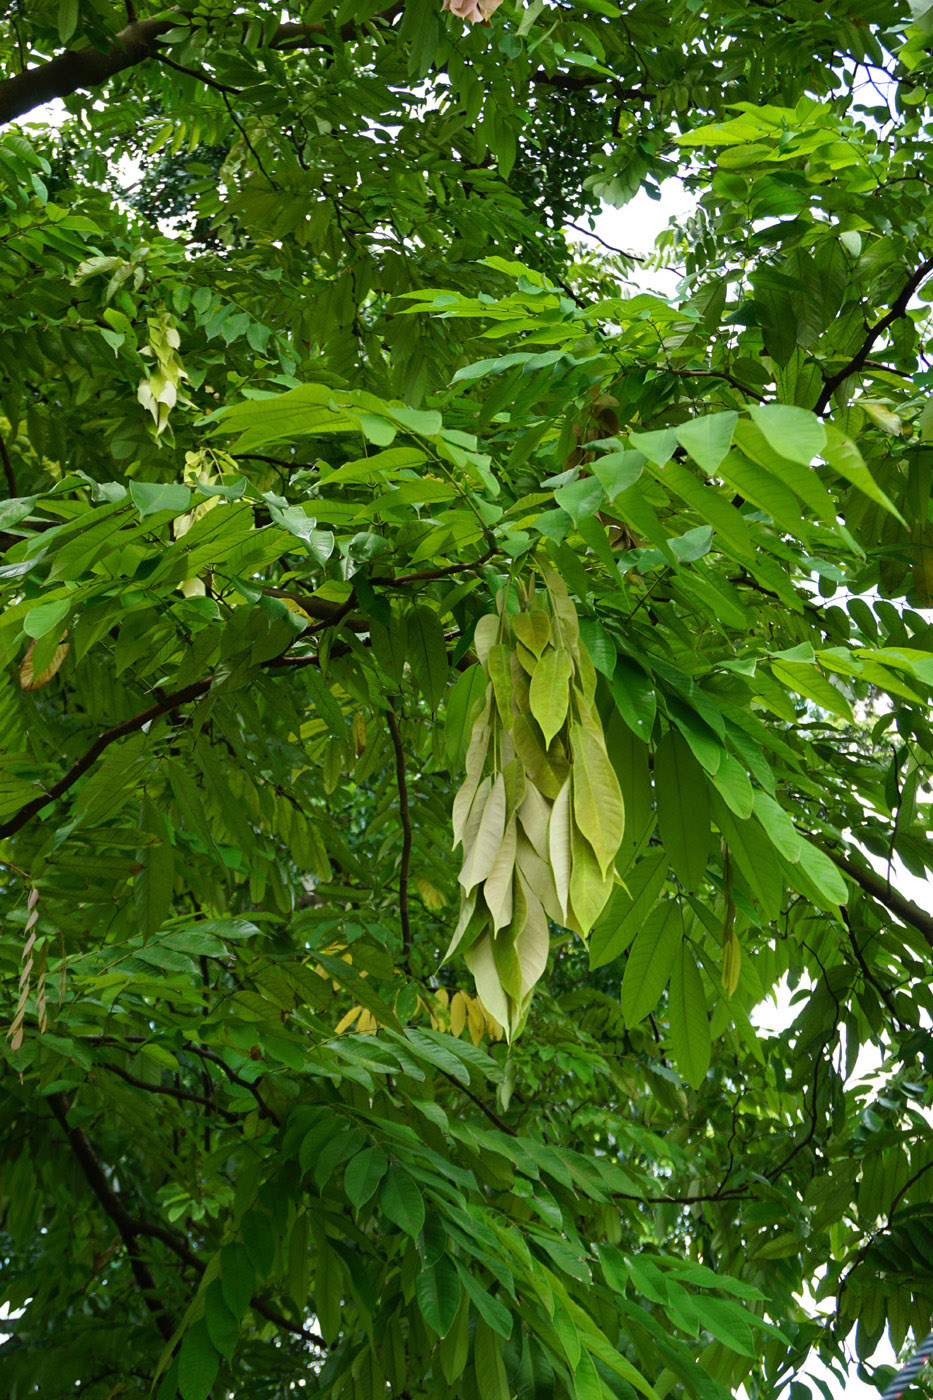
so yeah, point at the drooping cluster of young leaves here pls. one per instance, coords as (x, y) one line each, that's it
(540, 814)
(378, 516)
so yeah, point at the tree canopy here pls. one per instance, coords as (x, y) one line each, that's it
(447, 688)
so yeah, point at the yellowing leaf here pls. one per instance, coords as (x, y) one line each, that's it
(549, 694)
(559, 851)
(533, 630)
(589, 887)
(29, 681)
(458, 1013)
(597, 798)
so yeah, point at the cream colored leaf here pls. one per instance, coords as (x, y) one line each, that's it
(486, 634)
(466, 817)
(497, 889)
(597, 797)
(480, 852)
(533, 942)
(538, 878)
(558, 845)
(467, 909)
(482, 963)
(534, 814)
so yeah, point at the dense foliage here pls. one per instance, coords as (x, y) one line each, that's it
(351, 511)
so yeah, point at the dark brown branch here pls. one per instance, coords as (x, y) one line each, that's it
(8, 471)
(127, 1227)
(877, 886)
(405, 819)
(249, 145)
(131, 1229)
(620, 252)
(194, 73)
(102, 742)
(717, 374)
(571, 82)
(859, 359)
(264, 1109)
(87, 68)
(183, 1095)
(429, 575)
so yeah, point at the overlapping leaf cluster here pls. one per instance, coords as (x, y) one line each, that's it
(540, 815)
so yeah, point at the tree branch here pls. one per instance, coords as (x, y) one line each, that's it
(716, 374)
(103, 741)
(8, 471)
(130, 1229)
(858, 360)
(87, 68)
(620, 252)
(405, 819)
(127, 1227)
(183, 1095)
(876, 885)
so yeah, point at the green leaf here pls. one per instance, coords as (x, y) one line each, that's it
(491, 1381)
(708, 439)
(198, 1363)
(237, 1279)
(683, 808)
(581, 499)
(628, 908)
(491, 1311)
(635, 697)
(427, 654)
(689, 1021)
(463, 706)
(151, 497)
(650, 961)
(221, 1324)
(401, 1201)
(438, 1292)
(844, 457)
(67, 19)
(46, 617)
(794, 433)
(363, 1174)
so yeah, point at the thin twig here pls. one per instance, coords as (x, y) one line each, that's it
(857, 362)
(716, 374)
(183, 1095)
(252, 149)
(194, 73)
(620, 252)
(405, 818)
(8, 471)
